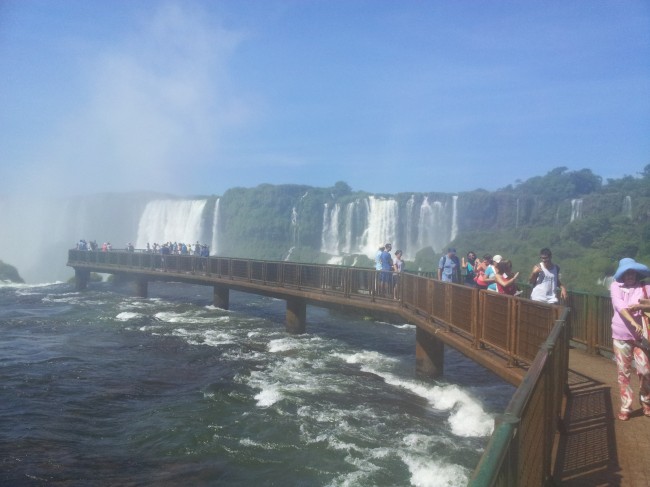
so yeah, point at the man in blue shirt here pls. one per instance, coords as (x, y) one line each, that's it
(449, 267)
(386, 273)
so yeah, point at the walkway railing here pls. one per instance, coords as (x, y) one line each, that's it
(520, 449)
(511, 327)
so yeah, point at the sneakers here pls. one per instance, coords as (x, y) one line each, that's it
(646, 410)
(624, 415)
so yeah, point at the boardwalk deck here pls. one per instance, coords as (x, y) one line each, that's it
(597, 449)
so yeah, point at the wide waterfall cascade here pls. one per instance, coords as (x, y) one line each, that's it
(361, 226)
(576, 209)
(627, 207)
(171, 221)
(214, 244)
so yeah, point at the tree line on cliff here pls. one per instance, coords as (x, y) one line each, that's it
(613, 222)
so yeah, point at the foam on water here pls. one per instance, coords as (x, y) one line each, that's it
(293, 343)
(405, 326)
(428, 472)
(366, 357)
(211, 338)
(126, 316)
(23, 288)
(467, 417)
(269, 395)
(186, 317)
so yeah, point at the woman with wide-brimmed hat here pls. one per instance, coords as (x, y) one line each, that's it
(628, 292)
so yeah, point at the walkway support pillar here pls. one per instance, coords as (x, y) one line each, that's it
(429, 354)
(296, 315)
(221, 297)
(81, 278)
(141, 287)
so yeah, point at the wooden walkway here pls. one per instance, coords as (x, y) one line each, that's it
(597, 449)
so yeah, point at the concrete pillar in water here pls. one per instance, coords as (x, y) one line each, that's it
(81, 277)
(221, 297)
(141, 287)
(296, 315)
(429, 354)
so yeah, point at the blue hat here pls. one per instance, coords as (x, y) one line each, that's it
(452, 250)
(626, 264)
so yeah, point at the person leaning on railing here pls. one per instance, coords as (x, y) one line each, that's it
(630, 334)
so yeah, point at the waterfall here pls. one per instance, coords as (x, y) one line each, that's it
(361, 226)
(214, 246)
(381, 229)
(294, 226)
(576, 209)
(432, 227)
(352, 216)
(330, 233)
(170, 221)
(627, 207)
(454, 218)
(411, 228)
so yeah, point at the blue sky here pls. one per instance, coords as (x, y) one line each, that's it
(390, 96)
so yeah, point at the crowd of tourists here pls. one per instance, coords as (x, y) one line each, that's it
(389, 270)
(179, 248)
(494, 273)
(167, 248)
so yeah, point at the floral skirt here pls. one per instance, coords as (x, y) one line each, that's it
(627, 351)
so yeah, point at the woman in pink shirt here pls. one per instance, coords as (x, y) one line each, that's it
(627, 291)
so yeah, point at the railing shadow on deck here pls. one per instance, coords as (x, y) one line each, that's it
(587, 453)
(516, 333)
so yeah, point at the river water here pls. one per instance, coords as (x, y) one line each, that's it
(102, 388)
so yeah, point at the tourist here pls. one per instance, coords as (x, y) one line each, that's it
(470, 265)
(626, 292)
(398, 268)
(504, 278)
(449, 267)
(545, 277)
(386, 275)
(480, 270)
(491, 272)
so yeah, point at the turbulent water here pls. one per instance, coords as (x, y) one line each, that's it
(102, 388)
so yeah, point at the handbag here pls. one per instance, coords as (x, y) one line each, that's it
(645, 317)
(644, 343)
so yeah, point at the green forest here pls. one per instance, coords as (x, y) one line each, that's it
(588, 248)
